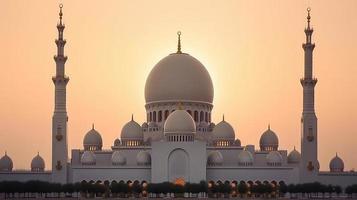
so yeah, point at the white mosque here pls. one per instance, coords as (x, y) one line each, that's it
(179, 142)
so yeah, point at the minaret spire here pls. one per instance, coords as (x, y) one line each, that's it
(308, 29)
(60, 13)
(179, 42)
(308, 82)
(308, 119)
(60, 118)
(60, 79)
(308, 17)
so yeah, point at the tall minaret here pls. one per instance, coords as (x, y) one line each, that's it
(60, 118)
(309, 163)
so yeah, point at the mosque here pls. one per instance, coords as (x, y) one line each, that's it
(179, 142)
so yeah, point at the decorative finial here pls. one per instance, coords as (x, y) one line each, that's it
(269, 126)
(38, 153)
(223, 117)
(308, 17)
(336, 154)
(294, 147)
(179, 105)
(60, 13)
(92, 126)
(5, 153)
(132, 117)
(179, 42)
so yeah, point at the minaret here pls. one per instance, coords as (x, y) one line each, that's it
(60, 118)
(309, 163)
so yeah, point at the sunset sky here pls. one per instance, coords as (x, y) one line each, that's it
(252, 50)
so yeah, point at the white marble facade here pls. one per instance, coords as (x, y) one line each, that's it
(178, 141)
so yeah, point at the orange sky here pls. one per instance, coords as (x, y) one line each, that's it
(252, 50)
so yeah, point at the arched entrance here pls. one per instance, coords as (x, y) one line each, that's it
(178, 166)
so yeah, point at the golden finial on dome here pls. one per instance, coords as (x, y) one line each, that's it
(179, 105)
(179, 42)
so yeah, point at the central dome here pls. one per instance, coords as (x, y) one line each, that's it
(179, 77)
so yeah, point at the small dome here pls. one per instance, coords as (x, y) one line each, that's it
(88, 158)
(132, 131)
(37, 164)
(294, 157)
(245, 158)
(179, 77)
(143, 158)
(144, 125)
(118, 158)
(237, 142)
(223, 131)
(179, 122)
(117, 142)
(269, 141)
(336, 164)
(6, 163)
(274, 158)
(92, 140)
(215, 158)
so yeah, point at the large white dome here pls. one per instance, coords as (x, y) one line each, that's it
(179, 77)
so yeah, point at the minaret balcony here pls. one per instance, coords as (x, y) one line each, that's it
(59, 58)
(60, 42)
(308, 81)
(308, 46)
(60, 79)
(309, 31)
(60, 27)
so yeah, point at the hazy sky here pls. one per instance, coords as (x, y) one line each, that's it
(252, 50)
